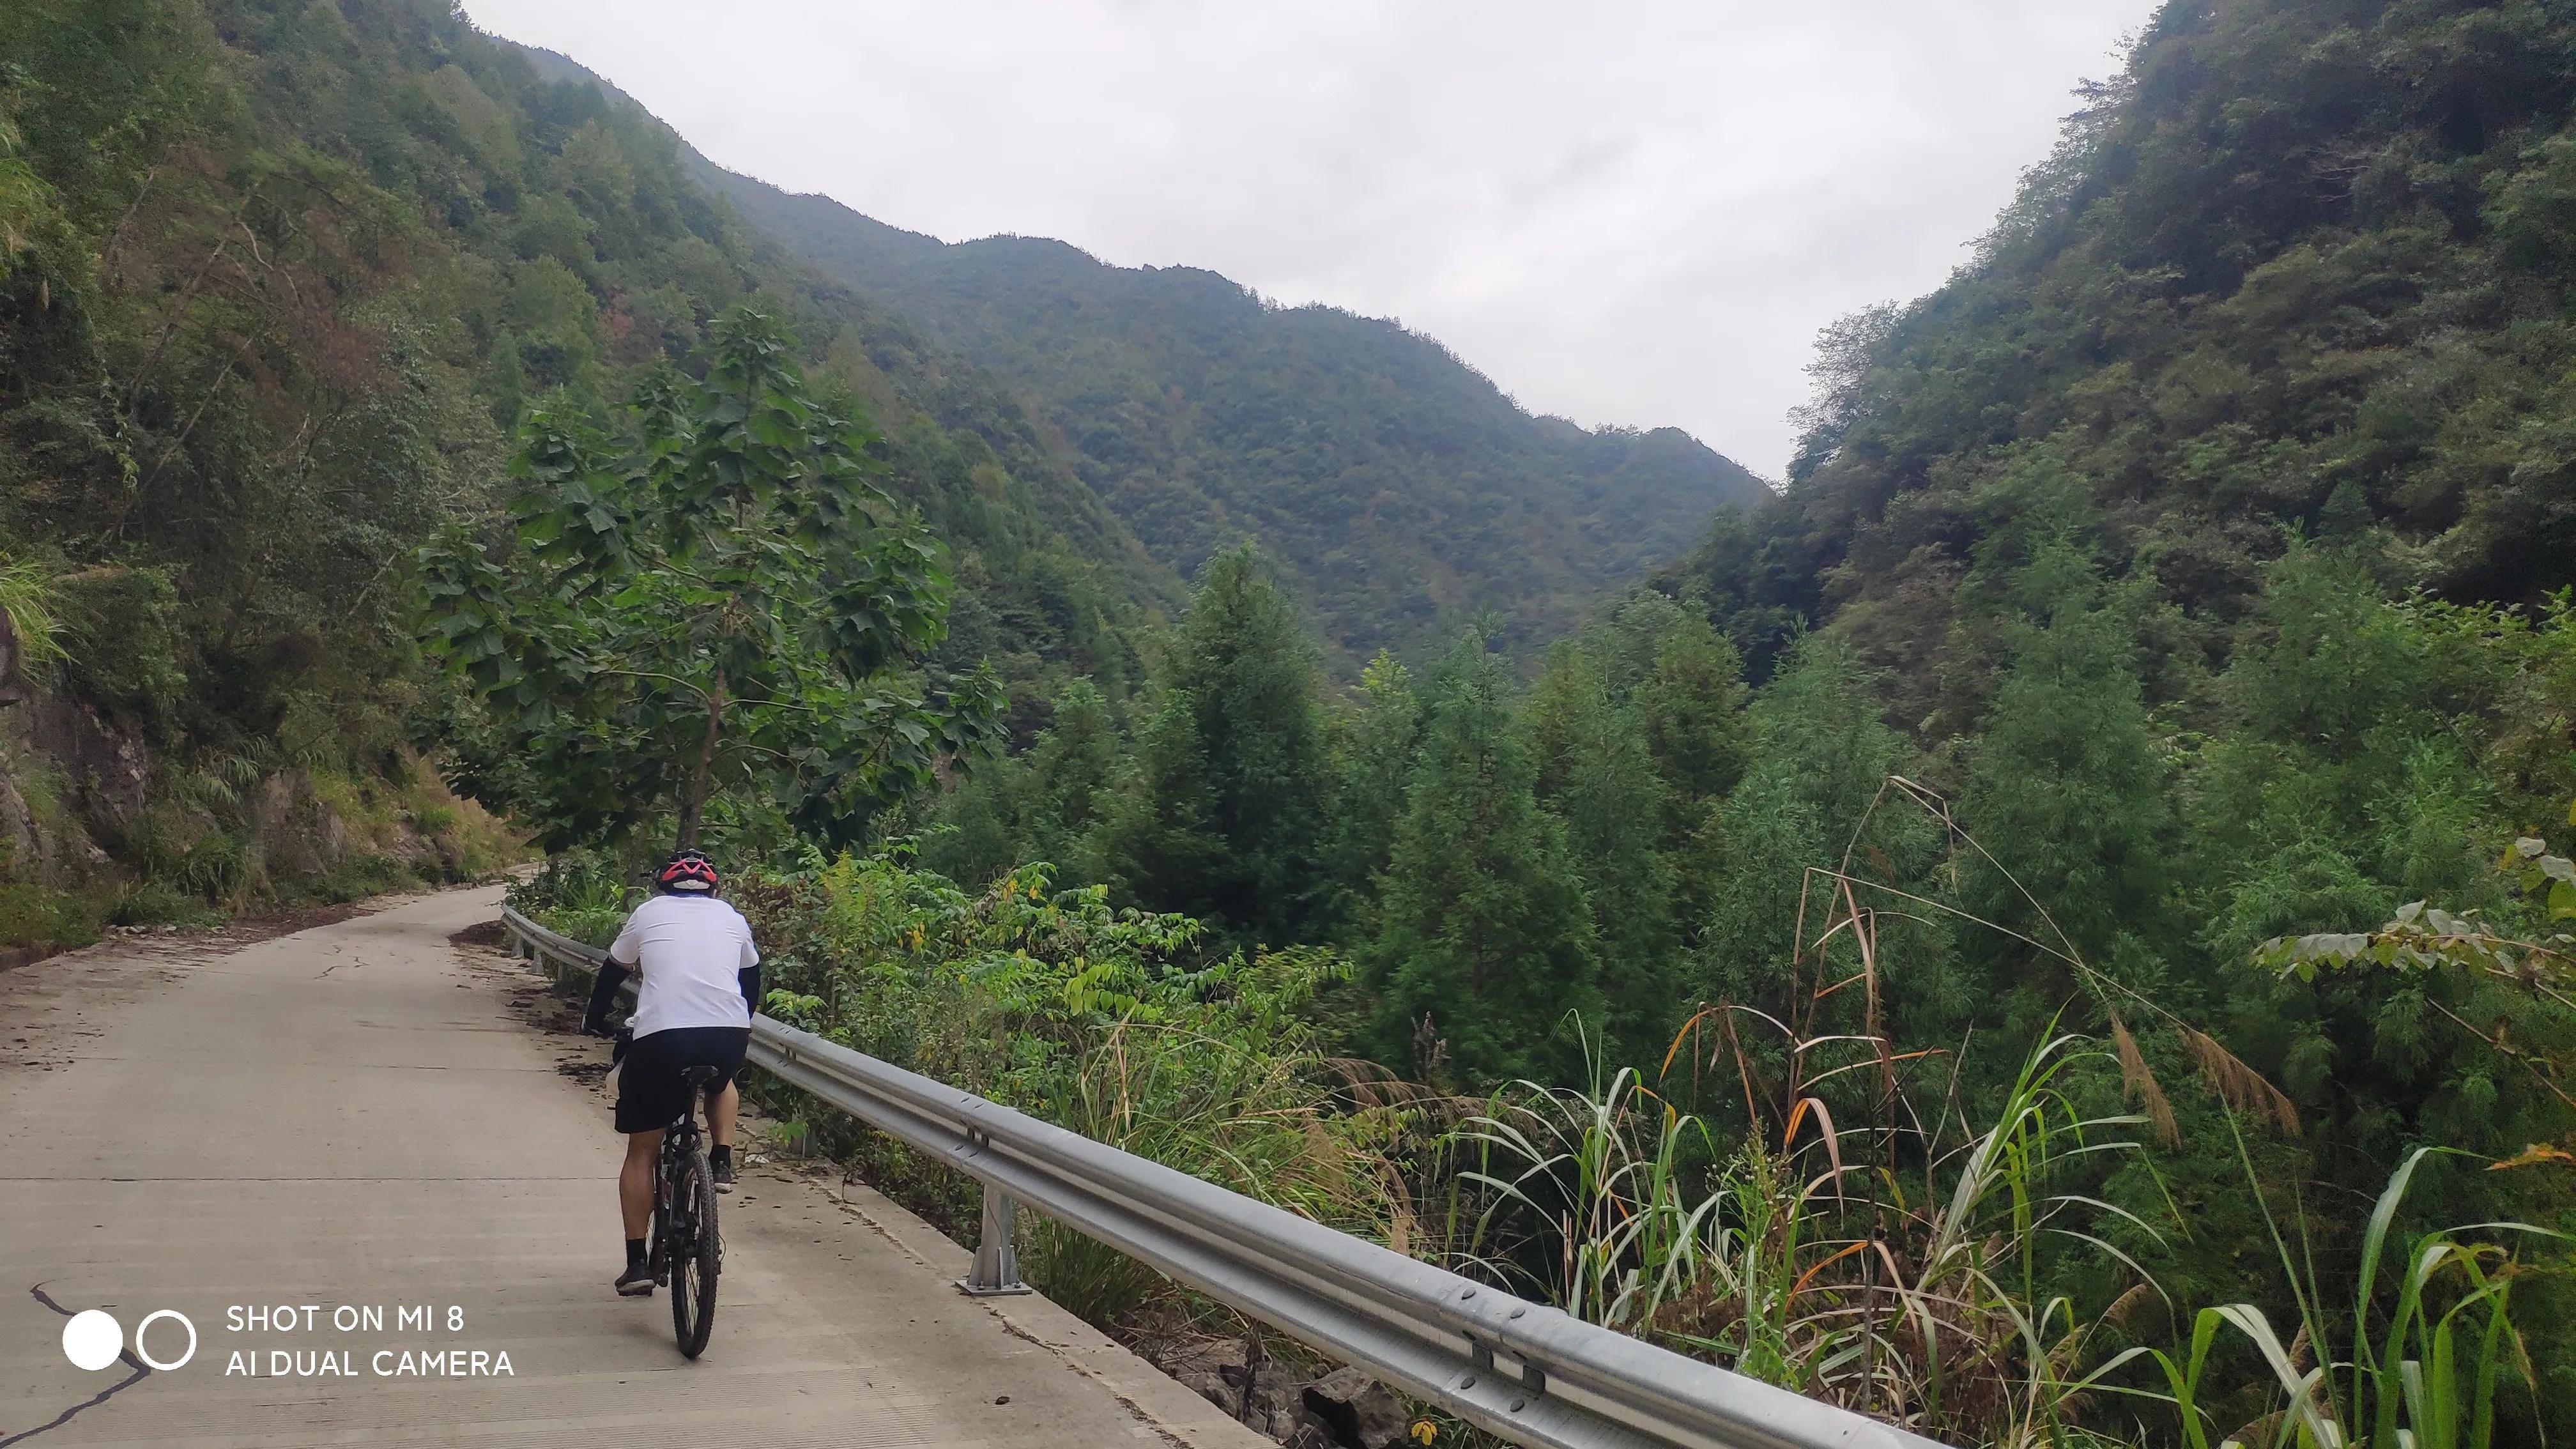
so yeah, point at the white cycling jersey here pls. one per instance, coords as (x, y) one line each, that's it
(687, 951)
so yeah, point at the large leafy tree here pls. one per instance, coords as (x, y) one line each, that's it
(713, 594)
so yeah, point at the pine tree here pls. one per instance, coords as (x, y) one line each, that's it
(973, 832)
(1692, 703)
(1484, 941)
(1226, 819)
(1373, 764)
(1039, 805)
(1072, 765)
(1596, 777)
(2065, 786)
(2340, 787)
(1823, 754)
(1686, 681)
(1156, 841)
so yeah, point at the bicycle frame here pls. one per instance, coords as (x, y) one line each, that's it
(679, 1141)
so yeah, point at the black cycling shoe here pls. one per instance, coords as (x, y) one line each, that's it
(723, 1174)
(636, 1281)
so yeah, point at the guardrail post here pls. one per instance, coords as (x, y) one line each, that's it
(997, 1264)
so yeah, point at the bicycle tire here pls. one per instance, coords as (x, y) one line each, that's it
(696, 1255)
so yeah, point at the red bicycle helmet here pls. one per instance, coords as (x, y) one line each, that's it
(687, 870)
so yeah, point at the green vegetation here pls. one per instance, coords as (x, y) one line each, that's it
(1393, 485)
(1224, 825)
(277, 281)
(48, 920)
(1821, 971)
(717, 599)
(1483, 941)
(1111, 1021)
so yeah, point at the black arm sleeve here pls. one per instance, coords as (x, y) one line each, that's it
(603, 995)
(749, 977)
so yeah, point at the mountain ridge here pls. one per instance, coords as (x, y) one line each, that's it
(1396, 483)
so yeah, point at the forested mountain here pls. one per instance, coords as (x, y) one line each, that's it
(1394, 485)
(277, 281)
(2299, 268)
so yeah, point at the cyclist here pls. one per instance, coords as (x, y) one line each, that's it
(700, 976)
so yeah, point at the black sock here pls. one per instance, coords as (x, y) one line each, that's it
(634, 1252)
(720, 1155)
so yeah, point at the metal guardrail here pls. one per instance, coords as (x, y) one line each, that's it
(1521, 1370)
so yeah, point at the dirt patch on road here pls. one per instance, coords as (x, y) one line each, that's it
(490, 935)
(484, 948)
(246, 930)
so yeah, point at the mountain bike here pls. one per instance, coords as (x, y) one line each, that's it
(687, 1252)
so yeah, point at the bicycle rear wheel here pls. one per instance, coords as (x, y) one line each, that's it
(696, 1254)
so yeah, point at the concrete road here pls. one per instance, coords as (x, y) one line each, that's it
(353, 1120)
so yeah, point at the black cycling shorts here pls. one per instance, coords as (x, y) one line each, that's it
(650, 1096)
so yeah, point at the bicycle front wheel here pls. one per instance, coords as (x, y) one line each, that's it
(696, 1254)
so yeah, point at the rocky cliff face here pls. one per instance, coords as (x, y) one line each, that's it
(98, 830)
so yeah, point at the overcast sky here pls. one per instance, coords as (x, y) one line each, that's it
(1623, 211)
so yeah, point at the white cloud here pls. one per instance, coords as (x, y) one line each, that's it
(1625, 212)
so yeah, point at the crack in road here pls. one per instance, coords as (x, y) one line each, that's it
(126, 1355)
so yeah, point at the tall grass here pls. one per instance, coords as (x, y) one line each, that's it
(1605, 1168)
(1903, 1265)
(27, 601)
(2425, 1358)
(1271, 1125)
(1929, 1308)
(1800, 1257)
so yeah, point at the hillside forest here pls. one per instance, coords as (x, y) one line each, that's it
(280, 282)
(2046, 928)
(1394, 487)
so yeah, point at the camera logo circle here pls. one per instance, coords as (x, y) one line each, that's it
(145, 1327)
(93, 1339)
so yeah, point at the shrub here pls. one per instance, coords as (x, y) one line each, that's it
(27, 600)
(583, 894)
(153, 903)
(215, 869)
(124, 642)
(32, 915)
(1110, 1022)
